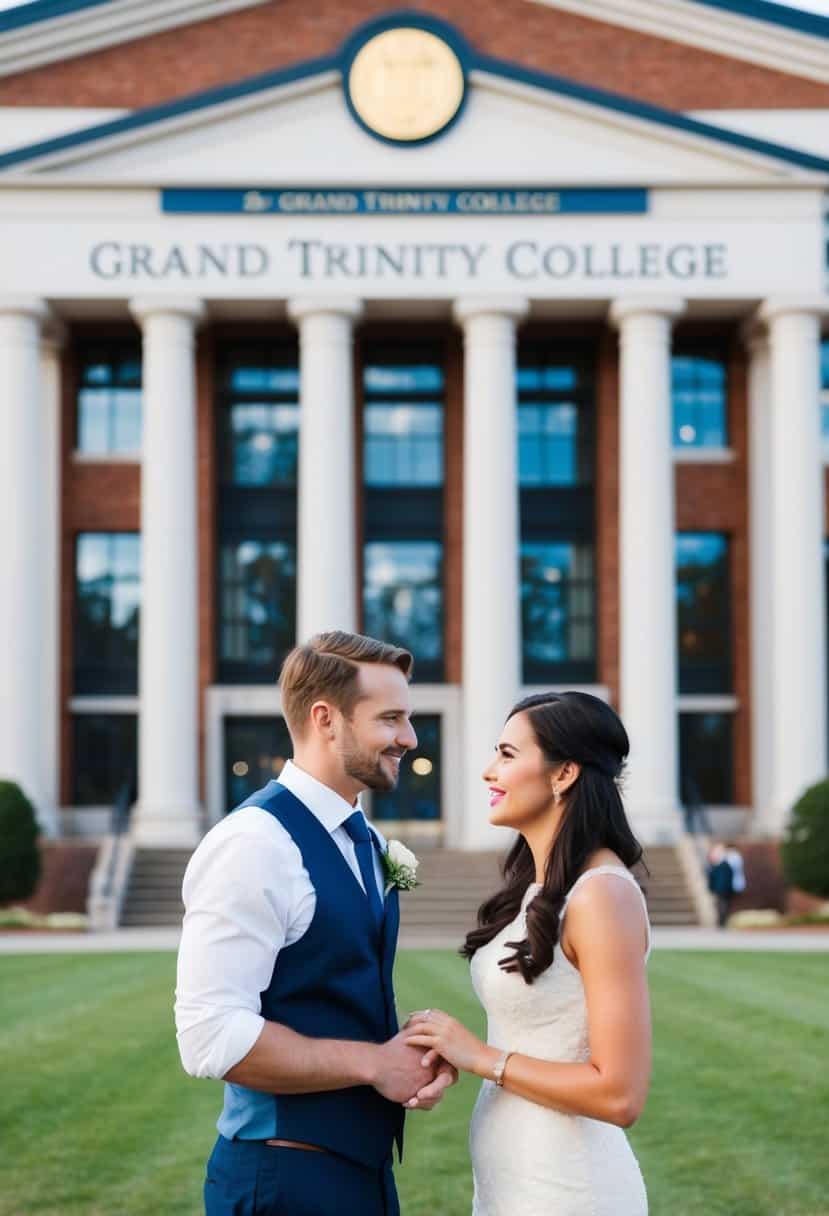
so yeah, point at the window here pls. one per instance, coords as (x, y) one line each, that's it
(703, 612)
(403, 424)
(556, 442)
(557, 609)
(258, 415)
(258, 604)
(260, 421)
(107, 608)
(706, 759)
(255, 751)
(824, 394)
(109, 401)
(554, 428)
(403, 458)
(105, 757)
(403, 601)
(699, 393)
(418, 793)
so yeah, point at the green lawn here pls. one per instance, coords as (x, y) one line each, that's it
(97, 1118)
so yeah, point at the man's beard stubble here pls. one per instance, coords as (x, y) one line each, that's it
(363, 768)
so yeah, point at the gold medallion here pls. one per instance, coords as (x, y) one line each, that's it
(406, 84)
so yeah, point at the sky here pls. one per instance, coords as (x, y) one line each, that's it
(813, 6)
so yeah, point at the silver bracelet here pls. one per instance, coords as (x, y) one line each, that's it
(498, 1070)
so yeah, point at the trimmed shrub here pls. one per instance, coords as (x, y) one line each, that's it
(19, 854)
(805, 850)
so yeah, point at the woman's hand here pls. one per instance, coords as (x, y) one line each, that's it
(444, 1036)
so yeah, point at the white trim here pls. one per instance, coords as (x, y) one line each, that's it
(729, 153)
(730, 34)
(75, 160)
(104, 705)
(596, 690)
(79, 457)
(85, 152)
(105, 25)
(691, 455)
(707, 703)
(252, 701)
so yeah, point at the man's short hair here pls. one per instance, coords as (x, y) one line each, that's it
(327, 668)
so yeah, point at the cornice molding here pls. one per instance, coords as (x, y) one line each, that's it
(94, 27)
(717, 28)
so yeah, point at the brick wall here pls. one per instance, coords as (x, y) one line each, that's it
(271, 36)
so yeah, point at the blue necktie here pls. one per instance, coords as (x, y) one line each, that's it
(357, 829)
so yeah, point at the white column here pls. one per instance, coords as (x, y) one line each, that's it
(168, 811)
(52, 344)
(647, 608)
(796, 646)
(326, 528)
(491, 589)
(760, 613)
(21, 536)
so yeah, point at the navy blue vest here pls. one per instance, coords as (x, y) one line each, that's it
(334, 983)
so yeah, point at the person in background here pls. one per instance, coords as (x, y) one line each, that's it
(720, 881)
(738, 874)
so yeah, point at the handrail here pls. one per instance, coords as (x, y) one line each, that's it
(119, 823)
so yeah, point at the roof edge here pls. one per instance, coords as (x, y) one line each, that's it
(472, 60)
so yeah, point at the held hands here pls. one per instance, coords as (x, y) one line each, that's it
(448, 1039)
(403, 1075)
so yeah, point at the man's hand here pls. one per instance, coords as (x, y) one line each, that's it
(428, 1097)
(400, 1073)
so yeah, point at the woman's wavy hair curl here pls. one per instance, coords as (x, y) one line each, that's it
(567, 726)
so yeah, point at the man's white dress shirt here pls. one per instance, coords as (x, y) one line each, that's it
(246, 895)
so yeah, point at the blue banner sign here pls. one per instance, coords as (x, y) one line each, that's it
(471, 200)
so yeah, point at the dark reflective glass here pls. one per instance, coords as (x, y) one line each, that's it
(263, 445)
(706, 759)
(255, 752)
(418, 793)
(403, 444)
(547, 439)
(259, 421)
(557, 602)
(403, 595)
(109, 403)
(403, 424)
(257, 601)
(536, 378)
(107, 609)
(104, 757)
(251, 378)
(700, 403)
(703, 612)
(554, 444)
(402, 379)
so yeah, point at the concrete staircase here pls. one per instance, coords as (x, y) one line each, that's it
(153, 894)
(443, 907)
(454, 885)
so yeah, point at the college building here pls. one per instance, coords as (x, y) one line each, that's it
(490, 329)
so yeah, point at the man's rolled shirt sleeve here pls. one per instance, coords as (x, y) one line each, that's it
(238, 899)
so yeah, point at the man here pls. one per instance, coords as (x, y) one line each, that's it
(720, 881)
(285, 965)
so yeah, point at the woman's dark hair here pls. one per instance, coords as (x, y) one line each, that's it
(567, 726)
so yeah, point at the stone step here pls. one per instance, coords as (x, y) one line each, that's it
(453, 886)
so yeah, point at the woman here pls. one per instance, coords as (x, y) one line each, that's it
(558, 962)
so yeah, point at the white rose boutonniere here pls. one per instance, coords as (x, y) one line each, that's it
(400, 865)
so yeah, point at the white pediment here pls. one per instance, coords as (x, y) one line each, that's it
(509, 132)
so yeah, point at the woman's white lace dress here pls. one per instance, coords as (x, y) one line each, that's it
(528, 1160)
